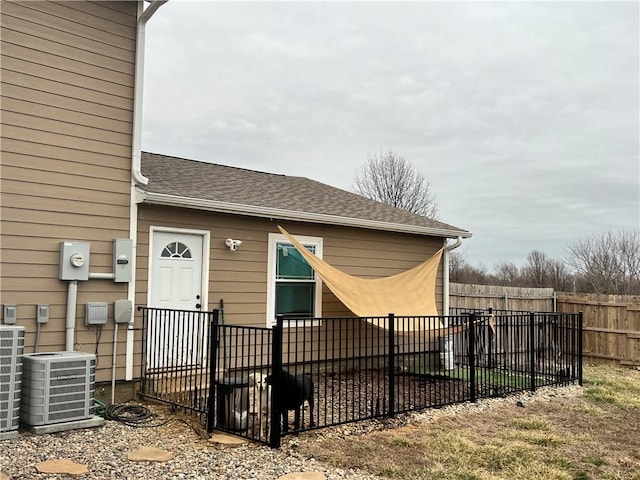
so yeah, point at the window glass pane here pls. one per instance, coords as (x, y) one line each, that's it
(176, 250)
(291, 265)
(295, 299)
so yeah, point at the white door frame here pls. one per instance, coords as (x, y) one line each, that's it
(206, 236)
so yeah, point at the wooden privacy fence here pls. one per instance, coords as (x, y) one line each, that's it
(611, 322)
(480, 297)
(611, 331)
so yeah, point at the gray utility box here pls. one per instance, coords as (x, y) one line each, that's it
(232, 404)
(11, 350)
(74, 261)
(57, 387)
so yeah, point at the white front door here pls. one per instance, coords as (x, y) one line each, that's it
(176, 271)
(176, 339)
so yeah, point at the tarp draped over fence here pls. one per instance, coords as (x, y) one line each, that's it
(410, 293)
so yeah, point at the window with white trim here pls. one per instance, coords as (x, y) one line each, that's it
(293, 287)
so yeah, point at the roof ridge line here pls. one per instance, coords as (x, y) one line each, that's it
(220, 165)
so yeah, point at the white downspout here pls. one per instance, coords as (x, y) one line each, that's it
(144, 14)
(137, 178)
(446, 349)
(445, 273)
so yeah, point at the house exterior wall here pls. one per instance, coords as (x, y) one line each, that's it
(67, 73)
(67, 102)
(239, 278)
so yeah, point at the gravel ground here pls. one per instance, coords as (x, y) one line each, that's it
(104, 449)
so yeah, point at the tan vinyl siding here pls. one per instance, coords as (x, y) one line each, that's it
(240, 278)
(83, 162)
(66, 100)
(248, 294)
(67, 109)
(69, 94)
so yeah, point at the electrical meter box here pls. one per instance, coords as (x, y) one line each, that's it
(122, 261)
(74, 261)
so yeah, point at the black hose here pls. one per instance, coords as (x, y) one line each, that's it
(135, 415)
(132, 414)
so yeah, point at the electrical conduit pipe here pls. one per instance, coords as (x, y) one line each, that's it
(70, 329)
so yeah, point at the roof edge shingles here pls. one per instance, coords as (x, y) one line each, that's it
(215, 187)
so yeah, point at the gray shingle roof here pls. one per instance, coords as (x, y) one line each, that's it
(203, 181)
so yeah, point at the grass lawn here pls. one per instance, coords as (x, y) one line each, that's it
(594, 435)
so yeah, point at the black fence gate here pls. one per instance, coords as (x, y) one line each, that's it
(302, 374)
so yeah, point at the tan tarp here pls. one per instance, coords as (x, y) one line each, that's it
(410, 293)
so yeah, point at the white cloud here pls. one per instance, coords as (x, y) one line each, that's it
(525, 115)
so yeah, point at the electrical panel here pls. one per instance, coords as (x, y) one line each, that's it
(96, 313)
(122, 261)
(74, 261)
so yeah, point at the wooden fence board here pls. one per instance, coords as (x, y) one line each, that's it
(501, 298)
(611, 332)
(611, 326)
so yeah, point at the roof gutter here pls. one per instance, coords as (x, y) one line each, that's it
(144, 14)
(282, 214)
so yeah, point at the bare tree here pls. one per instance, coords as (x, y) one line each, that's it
(456, 265)
(536, 271)
(507, 273)
(390, 178)
(609, 262)
(461, 272)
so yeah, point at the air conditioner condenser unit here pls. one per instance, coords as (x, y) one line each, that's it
(11, 350)
(57, 387)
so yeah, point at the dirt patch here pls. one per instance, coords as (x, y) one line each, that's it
(572, 437)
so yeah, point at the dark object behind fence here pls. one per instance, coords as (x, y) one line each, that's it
(360, 368)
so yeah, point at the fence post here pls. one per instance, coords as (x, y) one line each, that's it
(532, 351)
(472, 357)
(276, 385)
(392, 365)
(213, 356)
(580, 326)
(145, 343)
(490, 361)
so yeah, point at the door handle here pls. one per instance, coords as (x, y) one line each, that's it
(198, 306)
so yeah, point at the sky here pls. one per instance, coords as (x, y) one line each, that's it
(524, 116)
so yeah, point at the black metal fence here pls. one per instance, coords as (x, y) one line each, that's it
(341, 370)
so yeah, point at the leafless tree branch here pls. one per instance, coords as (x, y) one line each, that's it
(390, 178)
